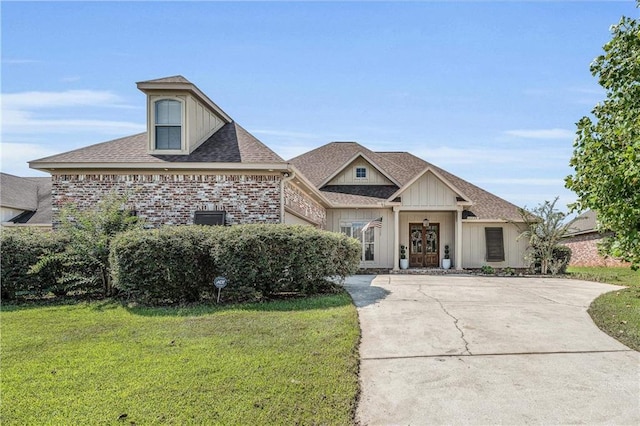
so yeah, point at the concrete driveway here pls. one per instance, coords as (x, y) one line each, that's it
(484, 350)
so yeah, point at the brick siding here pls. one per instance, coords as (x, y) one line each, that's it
(305, 206)
(584, 250)
(172, 199)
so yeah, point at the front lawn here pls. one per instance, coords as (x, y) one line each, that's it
(616, 313)
(289, 362)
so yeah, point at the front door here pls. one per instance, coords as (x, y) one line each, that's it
(424, 245)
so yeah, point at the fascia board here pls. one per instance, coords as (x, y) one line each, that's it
(189, 87)
(48, 166)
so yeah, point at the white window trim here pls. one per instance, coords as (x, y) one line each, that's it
(152, 125)
(360, 224)
(366, 173)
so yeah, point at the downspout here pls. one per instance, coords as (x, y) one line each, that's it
(287, 176)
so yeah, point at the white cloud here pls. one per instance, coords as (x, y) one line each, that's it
(19, 113)
(19, 61)
(541, 133)
(14, 157)
(32, 100)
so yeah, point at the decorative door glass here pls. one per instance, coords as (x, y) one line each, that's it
(416, 239)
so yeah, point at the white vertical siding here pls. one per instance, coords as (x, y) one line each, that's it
(348, 175)
(201, 123)
(474, 250)
(383, 251)
(429, 192)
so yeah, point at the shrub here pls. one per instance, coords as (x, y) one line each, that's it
(269, 259)
(178, 264)
(90, 232)
(21, 249)
(170, 264)
(488, 270)
(560, 259)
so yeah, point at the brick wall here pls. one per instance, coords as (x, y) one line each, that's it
(305, 206)
(172, 199)
(584, 250)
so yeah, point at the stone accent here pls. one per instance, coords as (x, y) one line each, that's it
(584, 251)
(172, 199)
(305, 206)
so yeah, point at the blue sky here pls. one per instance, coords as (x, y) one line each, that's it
(489, 91)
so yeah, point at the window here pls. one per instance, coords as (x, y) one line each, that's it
(168, 124)
(495, 244)
(361, 173)
(209, 218)
(366, 238)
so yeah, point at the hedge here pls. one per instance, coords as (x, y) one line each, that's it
(178, 264)
(21, 249)
(170, 264)
(269, 259)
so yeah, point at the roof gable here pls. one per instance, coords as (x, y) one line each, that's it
(357, 160)
(430, 188)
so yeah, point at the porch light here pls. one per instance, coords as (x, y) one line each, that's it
(425, 222)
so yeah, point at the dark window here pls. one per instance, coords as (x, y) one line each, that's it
(209, 218)
(168, 124)
(495, 244)
(361, 172)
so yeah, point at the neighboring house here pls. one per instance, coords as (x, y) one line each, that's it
(25, 201)
(196, 165)
(583, 239)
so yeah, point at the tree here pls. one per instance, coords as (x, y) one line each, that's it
(544, 227)
(606, 155)
(90, 232)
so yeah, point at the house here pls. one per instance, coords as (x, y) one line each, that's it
(583, 239)
(196, 165)
(25, 201)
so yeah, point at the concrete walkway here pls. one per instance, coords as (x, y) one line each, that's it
(442, 350)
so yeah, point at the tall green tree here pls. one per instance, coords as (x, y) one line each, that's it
(606, 155)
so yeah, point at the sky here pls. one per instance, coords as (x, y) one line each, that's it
(489, 91)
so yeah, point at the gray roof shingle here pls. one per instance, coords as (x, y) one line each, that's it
(31, 194)
(323, 162)
(230, 144)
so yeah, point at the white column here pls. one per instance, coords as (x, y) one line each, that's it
(396, 237)
(459, 238)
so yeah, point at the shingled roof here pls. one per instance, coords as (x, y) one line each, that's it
(323, 162)
(30, 194)
(230, 144)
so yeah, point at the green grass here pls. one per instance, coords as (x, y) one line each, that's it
(616, 313)
(290, 362)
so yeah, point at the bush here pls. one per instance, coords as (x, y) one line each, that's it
(178, 264)
(170, 264)
(21, 249)
(269, 259)
(560, 259)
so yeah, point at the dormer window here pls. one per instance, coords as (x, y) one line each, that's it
(361, 172)
(168, 115)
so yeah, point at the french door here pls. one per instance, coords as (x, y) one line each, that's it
(424, 245)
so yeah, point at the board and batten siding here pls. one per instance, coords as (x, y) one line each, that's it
(383, 250)
(474, 248)
(429, 192)
(201, 123)
(348, 175)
